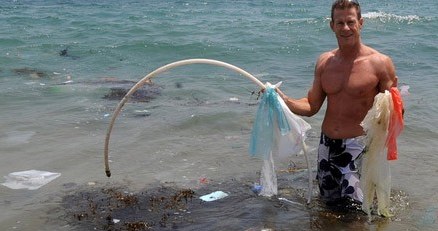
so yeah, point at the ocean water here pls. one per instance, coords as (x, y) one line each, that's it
(59, 59)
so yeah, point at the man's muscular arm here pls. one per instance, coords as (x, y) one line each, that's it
(387, 77)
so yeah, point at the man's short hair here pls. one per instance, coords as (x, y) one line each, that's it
(346, 4)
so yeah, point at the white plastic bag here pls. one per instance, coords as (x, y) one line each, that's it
(276, 131)
(293, 141)
(214, 196)
(276, 128)
(31, 179)
(375, 169)
(268, 178)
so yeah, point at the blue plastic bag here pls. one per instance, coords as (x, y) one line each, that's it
(276, 129)
(270, 115)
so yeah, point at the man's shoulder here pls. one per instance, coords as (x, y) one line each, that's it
(328, 54)
(382, 65)
(322, 59)
(375, 55)
(380, 62)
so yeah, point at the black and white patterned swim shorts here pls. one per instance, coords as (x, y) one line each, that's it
(338, 162)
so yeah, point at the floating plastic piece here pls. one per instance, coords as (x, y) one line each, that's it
(214, 196)
(31, 179)
(404, 90)
(256, 188)
(115, 221)
(288, 201)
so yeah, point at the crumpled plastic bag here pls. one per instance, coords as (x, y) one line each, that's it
(31, 179)
(375, 169)
(292, 142)
(276, 130)
(382, 125)
(268, 178)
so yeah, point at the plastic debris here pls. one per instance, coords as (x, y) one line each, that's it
(288, 201)
(375, 170)
(142, 112)
(115, 221)
(276, 131)
(404, 90)
(268, 178)
(203, 180)
(396, 123)
(256, 188)
(214, 196)
(31, 179)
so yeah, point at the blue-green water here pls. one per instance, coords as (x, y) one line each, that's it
(193, 129)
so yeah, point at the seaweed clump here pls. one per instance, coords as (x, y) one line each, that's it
(116, 209)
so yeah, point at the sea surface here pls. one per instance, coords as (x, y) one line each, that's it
(62, 61)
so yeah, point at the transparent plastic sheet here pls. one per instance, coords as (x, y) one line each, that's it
(375, 169)
(276, 131)
(269, 116)
(292, 142)
(30, 179)
(268, 178)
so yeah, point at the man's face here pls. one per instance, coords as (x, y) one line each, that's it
(346, 26)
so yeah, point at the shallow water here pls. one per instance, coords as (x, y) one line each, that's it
(192, 130)
(168, 207)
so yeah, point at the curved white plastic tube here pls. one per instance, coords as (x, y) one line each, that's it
(309, 171)
(164, 68)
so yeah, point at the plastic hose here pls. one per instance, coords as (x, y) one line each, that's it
(309, 171)
(164, 68)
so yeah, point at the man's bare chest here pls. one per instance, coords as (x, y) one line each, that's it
(355, 79)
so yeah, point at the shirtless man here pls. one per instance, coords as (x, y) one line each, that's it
(349, 77)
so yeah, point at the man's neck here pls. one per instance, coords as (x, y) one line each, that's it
(350, 52)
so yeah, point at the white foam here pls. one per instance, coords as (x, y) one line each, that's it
(390, 17)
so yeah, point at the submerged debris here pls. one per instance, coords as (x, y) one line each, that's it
(168, 207)
(116, 209)
(144, 94)
(31, 72)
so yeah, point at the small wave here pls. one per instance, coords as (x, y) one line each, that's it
(300, 20)
(387, 17)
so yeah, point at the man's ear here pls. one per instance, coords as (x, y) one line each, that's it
(332, 25)
(361, 22)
